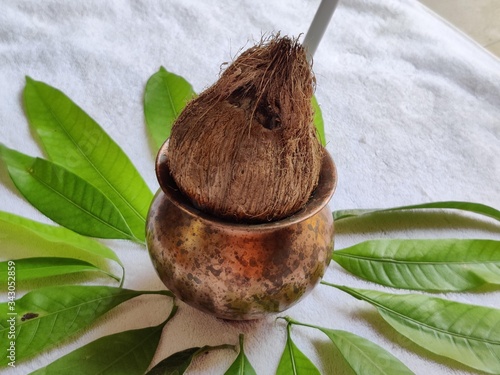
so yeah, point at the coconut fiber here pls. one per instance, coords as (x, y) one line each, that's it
(246, 149)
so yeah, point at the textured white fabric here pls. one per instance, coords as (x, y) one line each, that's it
(412, 112)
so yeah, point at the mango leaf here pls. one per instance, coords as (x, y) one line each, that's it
(48, 240)
(469, 334)
(362, 355)
(477, 208)
(165, 97)
(128, 352)
(433, 265)
(241, 366)
(365, 357)
(318, 121)
(293, 361)
(178, 363)
(46, 316)
(35, 268)
(64, 197)
(72, 139)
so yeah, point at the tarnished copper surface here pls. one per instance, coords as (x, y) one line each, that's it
(239, 271)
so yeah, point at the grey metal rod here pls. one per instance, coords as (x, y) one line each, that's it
(318, 26)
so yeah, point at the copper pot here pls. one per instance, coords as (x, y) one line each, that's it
(239, 271)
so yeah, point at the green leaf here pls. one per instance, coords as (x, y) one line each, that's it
(477, 208)
(35, 268)
(178, 363)
(128, 352)
(318, 121)
(64, 197)
(293, 361)
(241, 366)
(365, 357)
(467, 333)
(74, 140)
(433, 265)
(48, 240)
(362, 355)
(165, 97)
(57, 313)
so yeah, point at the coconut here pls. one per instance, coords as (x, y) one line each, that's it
(246, 149)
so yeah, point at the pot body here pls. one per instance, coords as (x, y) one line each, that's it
(239, 271)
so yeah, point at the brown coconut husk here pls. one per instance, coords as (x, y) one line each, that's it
(246, 149)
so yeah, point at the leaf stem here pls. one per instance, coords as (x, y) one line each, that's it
(122, 280)
(223, 346)
(292, 321)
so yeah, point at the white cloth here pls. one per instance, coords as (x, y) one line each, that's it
(412, 113)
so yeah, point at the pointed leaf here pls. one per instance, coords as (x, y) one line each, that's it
(467, 333)
(434, 265)
(362, 355)
(46, 316)
(128, 352)
(477, 208)
(64, 197)
(48, 240)
(318, 121)
(165, 97)
(74, 140)
(178, 363)
(35, 268)
(293, 361)
(241, 366)
(365, 357)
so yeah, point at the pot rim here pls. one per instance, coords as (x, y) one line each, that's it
(319, 198)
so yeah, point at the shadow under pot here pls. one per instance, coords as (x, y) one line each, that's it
(239, 271)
